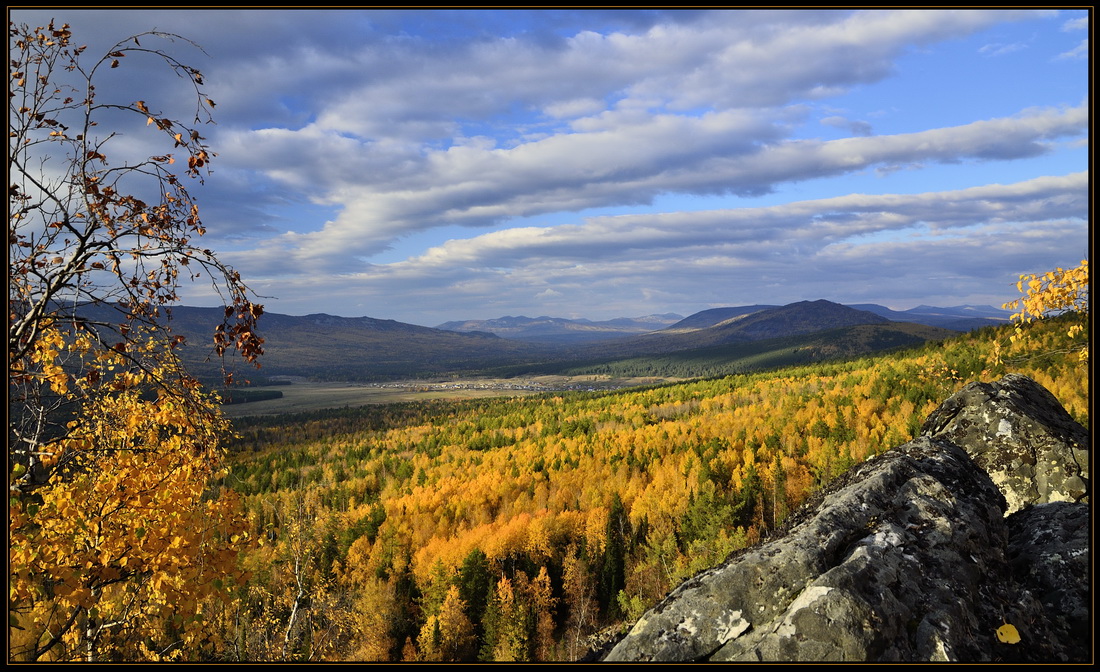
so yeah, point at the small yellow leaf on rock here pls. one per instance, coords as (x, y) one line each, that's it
(1008, 634)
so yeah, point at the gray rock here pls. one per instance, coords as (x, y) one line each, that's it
(907, 557)
(1017, 431)
(1048, 548)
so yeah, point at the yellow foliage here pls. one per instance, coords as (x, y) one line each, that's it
(1053, 292)
(124, 541)
(448, 636)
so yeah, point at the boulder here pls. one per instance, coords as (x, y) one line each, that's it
(907, 557)
(1018, 432)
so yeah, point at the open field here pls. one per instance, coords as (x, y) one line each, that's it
(303, 395)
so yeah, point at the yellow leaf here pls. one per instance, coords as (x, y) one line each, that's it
(1008, 634)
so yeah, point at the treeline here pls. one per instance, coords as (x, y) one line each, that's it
(244, 396)
(517, 529)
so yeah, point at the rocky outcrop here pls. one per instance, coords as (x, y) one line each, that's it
(909, 556)
(1016, 431)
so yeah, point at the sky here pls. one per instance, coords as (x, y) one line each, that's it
(427, 166)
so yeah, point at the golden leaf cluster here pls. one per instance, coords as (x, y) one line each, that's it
(1055, 292)
(125, 541)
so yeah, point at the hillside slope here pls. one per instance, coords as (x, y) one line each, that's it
(917, 542)
(796, 319)
(744, 356)
(362, 348)
(326, 347)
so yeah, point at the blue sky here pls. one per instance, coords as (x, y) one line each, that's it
(426, 166)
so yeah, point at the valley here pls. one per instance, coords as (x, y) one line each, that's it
(467, 365)
(303, 395)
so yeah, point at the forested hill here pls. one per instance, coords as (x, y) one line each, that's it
(715, 316)
(744, 356)
(361, 348)
(803, 317)
(796, 319)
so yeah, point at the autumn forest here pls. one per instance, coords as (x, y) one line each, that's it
(517, 529)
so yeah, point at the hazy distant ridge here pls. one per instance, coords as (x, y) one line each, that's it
(560, 330)
(328, 347)
(959, 318)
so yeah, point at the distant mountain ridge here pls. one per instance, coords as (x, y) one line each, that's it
(803, 317)
(328, 347)
(560, 330)
(714, 316)
(752, 323)
(958, 318)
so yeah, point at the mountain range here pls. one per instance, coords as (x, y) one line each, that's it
(571, 331)
(956, 318)
(328, 347)
(561, 330)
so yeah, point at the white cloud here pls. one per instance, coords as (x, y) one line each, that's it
(410, 87)
(1081, 51)
(577, 107)
(808, 223)
(1080, 23)
(998, 49)
(385, 127)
